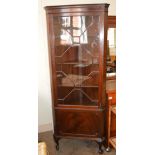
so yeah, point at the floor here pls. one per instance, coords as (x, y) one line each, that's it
(70, 146)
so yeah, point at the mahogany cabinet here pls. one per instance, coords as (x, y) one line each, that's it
(77, 39)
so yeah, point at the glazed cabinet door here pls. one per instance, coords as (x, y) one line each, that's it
(77, 58)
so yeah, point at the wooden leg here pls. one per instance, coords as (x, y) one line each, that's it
(109, 126)
(100, 143)
(56, 139)
(100, 147)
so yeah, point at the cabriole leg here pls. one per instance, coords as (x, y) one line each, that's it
(56, 139)
(100, 143)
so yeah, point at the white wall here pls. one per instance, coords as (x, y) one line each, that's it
(44, 98)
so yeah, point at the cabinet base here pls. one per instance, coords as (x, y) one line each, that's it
(99, 141)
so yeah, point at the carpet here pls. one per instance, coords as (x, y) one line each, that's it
(71, 146)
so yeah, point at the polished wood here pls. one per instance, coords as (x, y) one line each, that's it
(113, 109)
(111, 113)
(112, 21)
(77, 41)
(111, 136)
(79, 123)
(112, 141)
(82, 8)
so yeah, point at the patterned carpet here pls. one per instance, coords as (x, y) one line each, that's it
(70, 146)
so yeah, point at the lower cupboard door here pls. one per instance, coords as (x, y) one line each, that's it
(79, 123)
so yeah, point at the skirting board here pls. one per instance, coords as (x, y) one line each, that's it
(45, 127)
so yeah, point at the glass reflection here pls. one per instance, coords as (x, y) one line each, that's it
(76, 57)
(73, 30)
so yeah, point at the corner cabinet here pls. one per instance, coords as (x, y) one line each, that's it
(77, 39)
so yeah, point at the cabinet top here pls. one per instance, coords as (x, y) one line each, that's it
(77, 8)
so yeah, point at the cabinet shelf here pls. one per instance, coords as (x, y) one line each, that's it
(78, 86)
(74, 103)
(76, 63)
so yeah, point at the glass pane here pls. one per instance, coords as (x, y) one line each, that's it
(77, 59)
